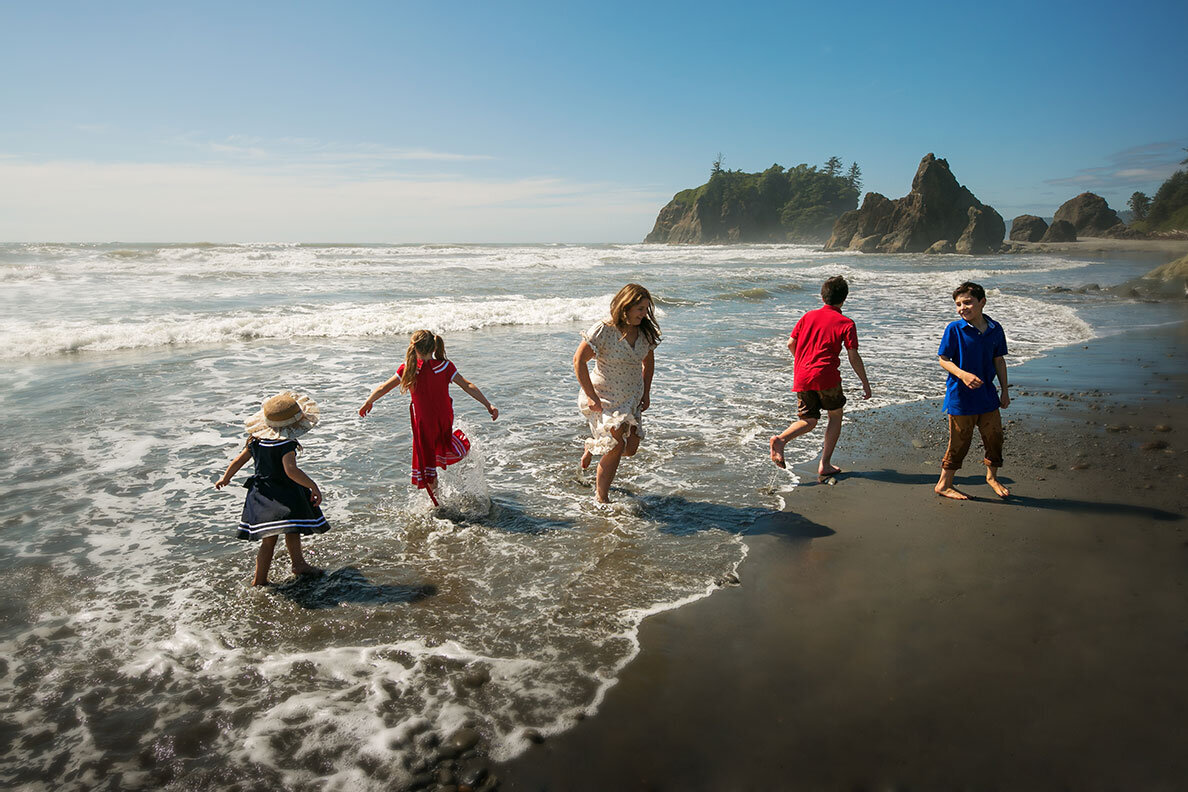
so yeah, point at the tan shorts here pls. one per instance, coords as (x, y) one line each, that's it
(961, 429)
(810, 403)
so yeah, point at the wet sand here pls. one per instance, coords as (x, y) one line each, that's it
(885, 638)
(1171, 248)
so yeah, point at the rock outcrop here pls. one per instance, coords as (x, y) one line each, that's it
(1060, 231)
(1089, 214)
(1172, 271)
(937, 208)
(1028, 228)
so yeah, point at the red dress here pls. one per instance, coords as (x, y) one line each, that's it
(435, 442)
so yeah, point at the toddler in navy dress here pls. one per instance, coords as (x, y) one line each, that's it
(281, 498)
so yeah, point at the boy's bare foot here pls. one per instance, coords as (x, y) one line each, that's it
(823, 474)
(586, 458)
(777, 451)
(950, 492)
(998, 488)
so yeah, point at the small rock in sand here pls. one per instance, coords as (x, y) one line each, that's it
(1080, 466)
(1162, 428)
(1154, 445)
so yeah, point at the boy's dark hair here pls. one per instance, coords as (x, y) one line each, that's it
(835, 290)
(970, 288)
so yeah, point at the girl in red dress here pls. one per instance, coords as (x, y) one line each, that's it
(426, 375)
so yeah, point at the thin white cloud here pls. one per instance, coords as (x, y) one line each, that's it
(87, 201)
(1138, 168)
(310, 150)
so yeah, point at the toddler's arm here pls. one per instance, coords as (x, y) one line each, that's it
(970, 380)
(377, 394)
(298, 475)
(581, 360)
(476, 394)
(859, 369)
(234, 467)
(1004, 396)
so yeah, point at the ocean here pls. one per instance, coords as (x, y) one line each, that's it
(134, 655)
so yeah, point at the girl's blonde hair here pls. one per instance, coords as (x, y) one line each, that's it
(628, 296)
(430, 346)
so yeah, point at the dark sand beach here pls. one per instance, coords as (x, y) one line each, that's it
(885, 638)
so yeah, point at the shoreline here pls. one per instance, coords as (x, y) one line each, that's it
(1171, 247)
(884, 637)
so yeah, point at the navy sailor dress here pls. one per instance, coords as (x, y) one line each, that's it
(275, 503)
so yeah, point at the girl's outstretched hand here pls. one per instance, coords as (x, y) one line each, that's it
(224, 481)
(491, 408)
(366, 408)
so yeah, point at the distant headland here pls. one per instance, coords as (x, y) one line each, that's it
(807, 204)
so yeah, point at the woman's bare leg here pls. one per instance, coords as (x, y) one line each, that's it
(608, 466)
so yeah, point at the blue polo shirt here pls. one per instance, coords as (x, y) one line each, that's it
(974, 352)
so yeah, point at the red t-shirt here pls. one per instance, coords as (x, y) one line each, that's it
(820, 335)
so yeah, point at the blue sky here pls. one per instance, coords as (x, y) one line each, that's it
(518, 121)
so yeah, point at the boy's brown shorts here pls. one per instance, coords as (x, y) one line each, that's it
(810, 403)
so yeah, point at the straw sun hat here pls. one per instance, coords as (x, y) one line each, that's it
(283, 417)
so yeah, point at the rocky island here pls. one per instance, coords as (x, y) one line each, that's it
(939, 215)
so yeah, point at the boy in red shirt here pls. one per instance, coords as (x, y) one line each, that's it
(815, 345)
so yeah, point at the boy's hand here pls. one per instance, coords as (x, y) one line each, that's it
(1004, 399)
(224, 481)
(491, 408)
(865, 391)
(971, 381)
(366, 408)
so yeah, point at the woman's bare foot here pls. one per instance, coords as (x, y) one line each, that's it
(777, 451)
(998, 488)
(950, 492)
(587, 457)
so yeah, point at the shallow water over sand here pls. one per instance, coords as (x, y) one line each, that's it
(135, 655)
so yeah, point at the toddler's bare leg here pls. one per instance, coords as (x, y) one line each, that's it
(264, 560)
(300, 566)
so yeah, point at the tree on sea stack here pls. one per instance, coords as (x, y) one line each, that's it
(1139, 204)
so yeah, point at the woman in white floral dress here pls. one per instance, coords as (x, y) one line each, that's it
(614, 396)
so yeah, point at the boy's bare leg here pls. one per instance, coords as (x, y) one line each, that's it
(264, 560)
(795, 429)
(300, 567)
(995, 484)
(945, 487)
(832, 433)
(607, 467)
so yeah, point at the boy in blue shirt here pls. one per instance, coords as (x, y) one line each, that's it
(972, 351)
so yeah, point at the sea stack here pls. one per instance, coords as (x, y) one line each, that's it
(938, 209)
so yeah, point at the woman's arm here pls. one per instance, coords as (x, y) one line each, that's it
(234, 467)
(581, 361)
(379, 393)
(298, 475)
(649, 368)
(474, 393)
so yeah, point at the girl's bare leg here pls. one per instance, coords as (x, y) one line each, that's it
(264, 560)
(300, 566)
(607, 467)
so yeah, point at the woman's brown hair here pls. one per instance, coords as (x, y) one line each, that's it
(628, 296)
(430, 346)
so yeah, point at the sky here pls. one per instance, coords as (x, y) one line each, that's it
(552, 122)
